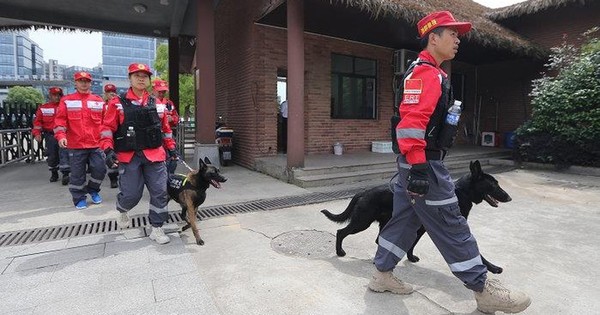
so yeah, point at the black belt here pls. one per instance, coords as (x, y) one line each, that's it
(435, 154)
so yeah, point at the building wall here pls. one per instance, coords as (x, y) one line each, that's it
(552, 27)
(504, 88)
(321, 132)
(238, 100)
(247, 86)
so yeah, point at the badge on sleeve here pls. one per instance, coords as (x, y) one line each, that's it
(413, 86)
(412, 91)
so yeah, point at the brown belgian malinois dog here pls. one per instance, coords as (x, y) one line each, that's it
(189, 191)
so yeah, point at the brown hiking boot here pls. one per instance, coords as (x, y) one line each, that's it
(496, 297)
(386, 281)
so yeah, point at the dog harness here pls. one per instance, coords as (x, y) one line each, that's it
(179, 182)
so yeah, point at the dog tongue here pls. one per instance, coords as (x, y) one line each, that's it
(493, 202)
(215, 183)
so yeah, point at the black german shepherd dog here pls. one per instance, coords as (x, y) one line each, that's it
(376, 204)
(189, 191)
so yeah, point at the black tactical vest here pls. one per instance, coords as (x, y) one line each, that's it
(141, 129)
(436, 133)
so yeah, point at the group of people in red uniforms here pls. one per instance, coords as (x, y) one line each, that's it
(130, 135)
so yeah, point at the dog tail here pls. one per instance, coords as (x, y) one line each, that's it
(344, 216)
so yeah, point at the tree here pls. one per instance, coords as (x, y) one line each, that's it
(565, 125)
(25, 95)
(187, 100)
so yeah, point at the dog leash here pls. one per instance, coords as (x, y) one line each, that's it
(185, 164)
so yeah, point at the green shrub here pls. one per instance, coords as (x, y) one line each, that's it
(564, 128)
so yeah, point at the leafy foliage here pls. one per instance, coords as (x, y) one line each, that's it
(565, 125)
(187, 100)
(25, 95)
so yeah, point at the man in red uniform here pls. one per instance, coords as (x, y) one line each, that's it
(133, 129)
(166, 107)
(77, 128)
(110, 92)
(424, 191)
(43, 126)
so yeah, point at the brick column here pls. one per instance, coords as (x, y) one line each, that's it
(295, 56)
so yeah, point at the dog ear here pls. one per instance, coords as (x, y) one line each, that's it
(475, 168)
(201, 164)
(206, 160)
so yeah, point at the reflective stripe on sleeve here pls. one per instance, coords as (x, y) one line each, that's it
(444, 202)
(106, 134)
(410, 133)
(167, 135)
(59, 128)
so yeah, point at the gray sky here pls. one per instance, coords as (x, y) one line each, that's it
(85, 49)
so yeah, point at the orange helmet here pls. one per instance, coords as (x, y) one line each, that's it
(137, 67)
(110, 88)
(160, 85)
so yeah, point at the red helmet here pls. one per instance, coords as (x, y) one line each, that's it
(137, 67)
(82, 75)
(110, 88)
(160, 85)
(55, 90)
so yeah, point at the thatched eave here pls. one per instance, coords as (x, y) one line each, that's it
(531, 7)
(485, 32)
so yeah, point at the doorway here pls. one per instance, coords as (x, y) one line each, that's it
(282, 111)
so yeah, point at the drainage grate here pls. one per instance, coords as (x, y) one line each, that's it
(106, 226)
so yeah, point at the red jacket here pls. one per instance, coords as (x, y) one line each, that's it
(44, 119)
(163, 109)
(78, 119)
(422, 90)
(114, 117)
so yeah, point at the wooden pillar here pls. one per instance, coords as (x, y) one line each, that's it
(295, 60)
(174, 71)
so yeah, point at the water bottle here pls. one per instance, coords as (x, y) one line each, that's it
(454, 113)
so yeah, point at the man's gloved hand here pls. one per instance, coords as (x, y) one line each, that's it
(418, 183)
(111, 158)
(173, 154)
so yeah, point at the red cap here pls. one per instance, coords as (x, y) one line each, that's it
(110, 88)
(136, 67)
(160, 85)
(55, 90)
(441, 18)
(82, 75)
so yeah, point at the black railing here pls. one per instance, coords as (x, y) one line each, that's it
(16, 142)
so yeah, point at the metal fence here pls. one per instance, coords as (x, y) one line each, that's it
(16, 142)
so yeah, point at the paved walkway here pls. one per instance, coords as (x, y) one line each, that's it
(283, 261)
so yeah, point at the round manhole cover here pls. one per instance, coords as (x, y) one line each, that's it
(306, 243)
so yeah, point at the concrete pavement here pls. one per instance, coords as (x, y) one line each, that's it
(283, 261)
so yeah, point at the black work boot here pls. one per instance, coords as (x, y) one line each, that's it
(113, 180)
(65, 179)
(54, 176)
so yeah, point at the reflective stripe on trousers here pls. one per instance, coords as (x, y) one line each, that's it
(438, 211)
(133, 176)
